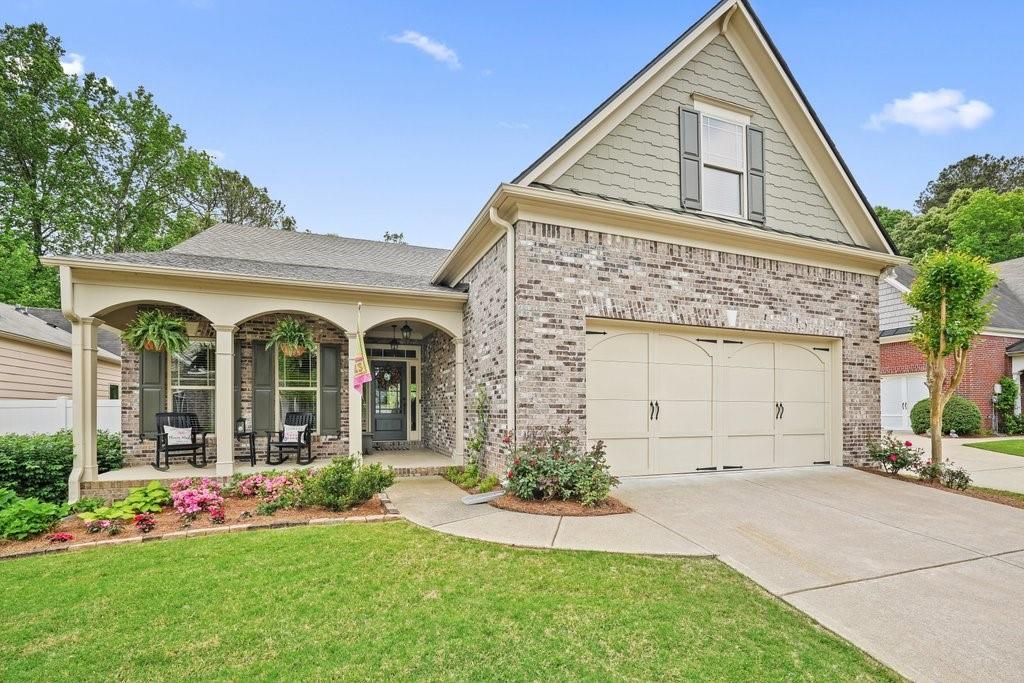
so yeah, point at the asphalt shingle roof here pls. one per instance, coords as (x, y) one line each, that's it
(105, 339)
(308, 257)
(20, 323)
(1008, 294)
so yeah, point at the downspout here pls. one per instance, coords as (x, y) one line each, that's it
(510, 318)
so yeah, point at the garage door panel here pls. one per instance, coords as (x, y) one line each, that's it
(793, 357)
(803, 418)
(670, 348)
(618, 346)
(746, 417)
(748, 452)
(682, 454)
(682, 382)
(748, 384)
(751, 355)
(684, 418)
(627, 456)
(617, 380)
(800, 449)
(799, 385)
(617, 418)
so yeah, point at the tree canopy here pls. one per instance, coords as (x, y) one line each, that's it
(976, 172)
(85, 169)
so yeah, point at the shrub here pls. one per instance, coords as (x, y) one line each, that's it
(1006, 403)
(554, 466)
(342, 485)
(149, 498)
(192, 496)
(145, 522)
(276, 490)
(960, 415)
(1013, 425)
(467, 477)
(895, 455)
(24, 517)
(87, 504)
(489, 483)
(38, 465)
(946, 473)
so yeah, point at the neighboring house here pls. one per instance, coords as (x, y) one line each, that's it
(996, 352)
(690, 275)
(35, 369)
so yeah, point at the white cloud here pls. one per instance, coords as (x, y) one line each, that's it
(937, 111)
(74, 65)
(435, 49)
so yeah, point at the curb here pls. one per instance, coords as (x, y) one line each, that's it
(391, 513)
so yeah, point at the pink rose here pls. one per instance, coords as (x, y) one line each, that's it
(907, 444)
(892, 458)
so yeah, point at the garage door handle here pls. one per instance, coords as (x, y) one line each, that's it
(652, 411)
(657, 410)
(778, 408)
(783, 406)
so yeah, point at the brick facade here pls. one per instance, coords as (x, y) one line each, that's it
(986, 363)
(438, 392)
(564, 275)
(485, 347)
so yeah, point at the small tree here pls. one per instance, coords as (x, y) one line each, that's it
(950, 294)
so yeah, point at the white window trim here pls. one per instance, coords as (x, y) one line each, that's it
(711, 110)
(171, 386)
(278, 389)
(410, 433)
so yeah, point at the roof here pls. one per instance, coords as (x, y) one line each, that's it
(722, 12)
(105, 339)
(307, 257)
(1014, 349)
(1008, 294)
(18, 322)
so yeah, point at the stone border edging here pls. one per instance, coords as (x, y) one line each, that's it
(391, 513)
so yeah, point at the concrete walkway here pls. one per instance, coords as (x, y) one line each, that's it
(436, 503)
(927, 581)
(987, 468)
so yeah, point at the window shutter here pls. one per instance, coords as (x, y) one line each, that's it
(755, 174)
(152, 389)
(262, 387)
(237, 376)
(689, 158)
(330, 389)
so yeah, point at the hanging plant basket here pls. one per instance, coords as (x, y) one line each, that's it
(154, 330)
(292, 337)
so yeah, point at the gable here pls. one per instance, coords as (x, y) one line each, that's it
(638, 160)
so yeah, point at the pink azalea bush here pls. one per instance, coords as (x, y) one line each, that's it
(193, 496)
(275, 490)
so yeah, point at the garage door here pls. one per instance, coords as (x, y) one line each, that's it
(671, 402)
(899, 394)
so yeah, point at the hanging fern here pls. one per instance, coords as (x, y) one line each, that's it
(154, 330)
(292, 337)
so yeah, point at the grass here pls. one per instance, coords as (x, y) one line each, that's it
(397, 602)
(1011, 495)
(1008, 446)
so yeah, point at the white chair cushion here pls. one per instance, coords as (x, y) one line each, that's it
(294, 434)
(178, 436)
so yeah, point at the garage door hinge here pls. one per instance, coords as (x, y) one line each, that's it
(730, 341)
(822, 462)
(595, 332)
(732, 467)
(820, 348)
(708, 341)
(706, 469)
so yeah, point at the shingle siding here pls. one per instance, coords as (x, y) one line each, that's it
(639, 160)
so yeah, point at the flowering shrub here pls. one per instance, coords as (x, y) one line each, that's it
(145, 522)
(276, 490)
(894, 455)
(192, 496)
(554, 466)
(61, 537)
(946, 473)
(110, 526)
(217, 515)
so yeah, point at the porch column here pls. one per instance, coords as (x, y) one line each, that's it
(83, 404)
(355, 403)
(459, 454)
(224, 400)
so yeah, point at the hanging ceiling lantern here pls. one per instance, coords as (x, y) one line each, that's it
(394, 337)
(406, 331)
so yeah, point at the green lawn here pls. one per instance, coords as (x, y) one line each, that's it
(1008, 446)
(396, 602)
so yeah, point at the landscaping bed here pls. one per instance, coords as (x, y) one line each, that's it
(562, 508)
(1010, 498)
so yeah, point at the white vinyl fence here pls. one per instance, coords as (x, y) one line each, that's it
(46, 416)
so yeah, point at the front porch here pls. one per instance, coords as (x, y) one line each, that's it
(409, 417)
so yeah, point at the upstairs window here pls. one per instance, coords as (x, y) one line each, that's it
(723, 166)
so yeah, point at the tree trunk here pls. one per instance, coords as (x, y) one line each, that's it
(936, 427)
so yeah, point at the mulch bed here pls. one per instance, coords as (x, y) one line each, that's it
(1012, 501)
(236, 511)
(562, 508)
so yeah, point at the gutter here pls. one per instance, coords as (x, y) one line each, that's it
(510, 317)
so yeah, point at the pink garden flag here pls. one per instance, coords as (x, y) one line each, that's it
(360, 366)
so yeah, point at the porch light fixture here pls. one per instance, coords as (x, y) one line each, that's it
(406, 331)
(394, 338)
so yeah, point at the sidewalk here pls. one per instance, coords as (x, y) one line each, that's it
(987, 468)
(436, 503)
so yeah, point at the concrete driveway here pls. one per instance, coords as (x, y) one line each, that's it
(994, 470)
(929, 582)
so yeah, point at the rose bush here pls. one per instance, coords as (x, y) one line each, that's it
(554, 465)
(893, 454)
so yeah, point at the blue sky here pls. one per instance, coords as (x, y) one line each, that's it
(359, 132)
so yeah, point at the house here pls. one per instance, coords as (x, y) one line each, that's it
(996, 352)
(35, 369)
(689, 275)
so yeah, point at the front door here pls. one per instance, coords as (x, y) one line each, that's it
(387, 407)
